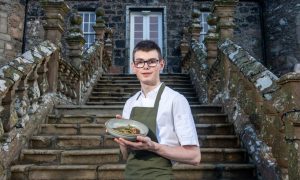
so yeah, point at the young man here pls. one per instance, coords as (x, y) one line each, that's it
(172, 134)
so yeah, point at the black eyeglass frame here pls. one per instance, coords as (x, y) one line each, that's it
(152, 62)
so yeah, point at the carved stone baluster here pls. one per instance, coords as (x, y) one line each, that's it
(9, 114)
(83, 76)
(109, 43)
(33, 90)
(5, 86)
(67, 83)
(100, 29)
(42, 79)
(211, 40)
(60, 87)
(22, 101)
(184, 49)
(77, 87)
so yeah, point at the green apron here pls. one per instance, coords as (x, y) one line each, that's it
(145, 164)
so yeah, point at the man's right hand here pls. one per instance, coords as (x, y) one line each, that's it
(118, 116)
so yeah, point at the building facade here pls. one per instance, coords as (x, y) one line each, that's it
(268, 30)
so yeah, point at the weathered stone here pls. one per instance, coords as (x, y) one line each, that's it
(5, 37)
(5, 85)
(10, 73)
(3, 27)
(23, 65)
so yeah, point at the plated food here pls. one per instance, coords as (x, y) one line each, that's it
(130, 130)
(126, 128)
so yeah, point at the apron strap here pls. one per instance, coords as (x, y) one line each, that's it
(160, 91)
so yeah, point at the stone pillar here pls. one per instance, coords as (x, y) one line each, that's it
(290, 87)
(109, 43)
(100, 27)
(196, 27)
(184, 45)
(76, 41)
(211, 40)
(224, 11)
(55, 12)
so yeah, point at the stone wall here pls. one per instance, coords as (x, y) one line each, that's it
(11, 29)
(282, 44)
(248, 32)
(178, 15)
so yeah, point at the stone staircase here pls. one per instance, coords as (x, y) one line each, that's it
(72, 144)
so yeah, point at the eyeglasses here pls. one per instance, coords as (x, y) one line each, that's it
(140, 63)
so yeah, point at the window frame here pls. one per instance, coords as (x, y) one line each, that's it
(90, 32)
(203, 23)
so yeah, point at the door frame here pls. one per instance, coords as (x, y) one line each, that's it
(130, 9)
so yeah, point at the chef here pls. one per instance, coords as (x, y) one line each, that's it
(172, 134)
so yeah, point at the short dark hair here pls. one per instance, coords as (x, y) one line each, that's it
(147, 45)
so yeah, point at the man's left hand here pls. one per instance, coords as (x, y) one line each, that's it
(142, 143)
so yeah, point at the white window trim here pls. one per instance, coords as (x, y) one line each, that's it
(203, 22)
(129, 9)
(91, 32)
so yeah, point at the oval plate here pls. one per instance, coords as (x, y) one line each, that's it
(115, 123)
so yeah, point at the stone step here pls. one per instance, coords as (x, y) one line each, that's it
(215, 129)
(212, 118)
(101, 156)
(65, 157)
(124, 94)
(79, 119)
(210, 171)
(207, 171)
(206, 118)
(133, 76)
(99, 129)
(106, 141)
(107, 110)
(72, 129)
(136, 81)
(111, 103)
(133, 90)
(138, 85)
(67, 142)
(123, 99)
(219, 141)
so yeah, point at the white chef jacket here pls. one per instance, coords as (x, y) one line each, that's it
(175, 125)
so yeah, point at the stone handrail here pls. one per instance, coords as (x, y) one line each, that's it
(264, 109)
(26, 97)
(194, 63)
(33, 83)
(23, 82)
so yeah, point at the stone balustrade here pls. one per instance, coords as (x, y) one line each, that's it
(33, 83)
(264, 108)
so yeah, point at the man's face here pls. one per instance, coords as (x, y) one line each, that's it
(149, 73)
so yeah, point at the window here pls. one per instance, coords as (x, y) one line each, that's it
(145, 25)
(205, 26)
(88, 20)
